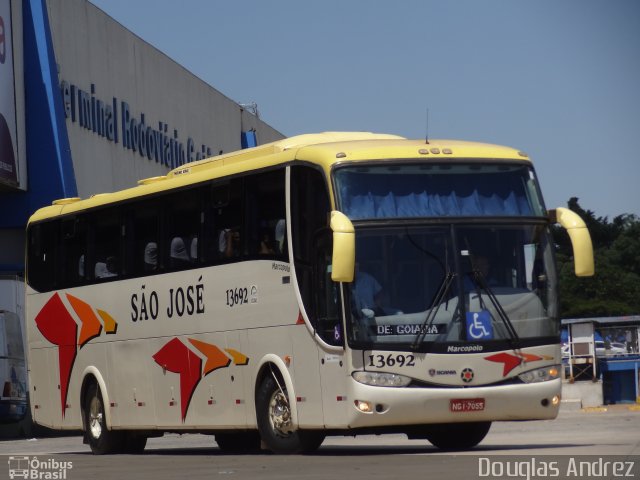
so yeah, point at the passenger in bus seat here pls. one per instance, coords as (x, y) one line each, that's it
(178, 256)
(193, 250)
(151, 257)
(106, 269)
(266, 244)
(368, 293)
(281, 235)
(112, 266)
(229, 243)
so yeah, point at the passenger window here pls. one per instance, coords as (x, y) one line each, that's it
(143, 238)
(265, 196)
(106, 238)
(183, 222)
(309, 210)
(41, 266)
(312, 251)
(225, 232)
(74, 251)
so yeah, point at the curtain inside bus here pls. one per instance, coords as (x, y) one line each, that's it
(393, 195)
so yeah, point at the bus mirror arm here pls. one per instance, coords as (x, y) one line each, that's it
(580, 239)
(344, 248)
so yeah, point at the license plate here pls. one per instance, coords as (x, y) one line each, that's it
(466, 404)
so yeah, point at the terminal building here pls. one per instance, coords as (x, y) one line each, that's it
(87, 107)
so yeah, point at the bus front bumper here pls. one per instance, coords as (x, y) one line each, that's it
(370, 406)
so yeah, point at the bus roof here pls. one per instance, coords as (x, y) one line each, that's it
(325, 149)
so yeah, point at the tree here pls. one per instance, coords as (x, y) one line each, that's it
(615, 288)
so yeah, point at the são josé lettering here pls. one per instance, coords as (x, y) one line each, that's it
(181, 301)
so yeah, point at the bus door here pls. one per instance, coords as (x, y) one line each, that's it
(329, 327)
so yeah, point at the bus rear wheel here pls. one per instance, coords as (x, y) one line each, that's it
(457, 436)
(101, 440)
(273, 411)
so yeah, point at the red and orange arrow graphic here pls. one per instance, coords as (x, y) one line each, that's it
(58, 326)
(511, 361)
(176, 357)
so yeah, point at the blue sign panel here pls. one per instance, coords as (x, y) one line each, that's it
(479, 325)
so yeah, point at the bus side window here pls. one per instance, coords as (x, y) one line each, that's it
(182, 228)
(225, 228)
(265, 207)
(143, 234)
(43, 249)
(107, 238)
(74, 249)
(215, 200)
(310, 210)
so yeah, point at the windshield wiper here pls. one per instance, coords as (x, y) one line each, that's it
(444, 288)
(480, 280)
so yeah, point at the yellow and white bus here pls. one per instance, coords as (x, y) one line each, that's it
(329, 284)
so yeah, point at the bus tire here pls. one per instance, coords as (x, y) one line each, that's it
(238, 442)
(457, 436)
(273, 412)
(101, 440)
(134, 443)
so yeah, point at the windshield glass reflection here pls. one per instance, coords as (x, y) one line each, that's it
(422, 285)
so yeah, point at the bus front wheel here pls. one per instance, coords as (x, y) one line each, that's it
(273, 411)
(457, 436)
(101, 440)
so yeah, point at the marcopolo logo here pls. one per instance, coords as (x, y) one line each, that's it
(40, 469)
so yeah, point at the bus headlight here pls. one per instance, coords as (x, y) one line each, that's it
(540, 374)
(378, 379)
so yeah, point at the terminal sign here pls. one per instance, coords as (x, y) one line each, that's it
(114, 121)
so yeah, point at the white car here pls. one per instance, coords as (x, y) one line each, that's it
(615, 348)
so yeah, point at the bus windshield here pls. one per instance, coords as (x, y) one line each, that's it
(437, 190)
(420, 286)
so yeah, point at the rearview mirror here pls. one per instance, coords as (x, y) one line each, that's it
(580, 240)
(344, 248)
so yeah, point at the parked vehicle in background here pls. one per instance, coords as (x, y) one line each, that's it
(613, 348)
(13, 375)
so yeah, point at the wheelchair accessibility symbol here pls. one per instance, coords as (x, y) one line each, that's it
(479, 325)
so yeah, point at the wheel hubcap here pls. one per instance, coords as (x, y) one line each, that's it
(95, 417)
(280, 414)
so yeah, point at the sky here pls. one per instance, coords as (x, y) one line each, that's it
(557, 79)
